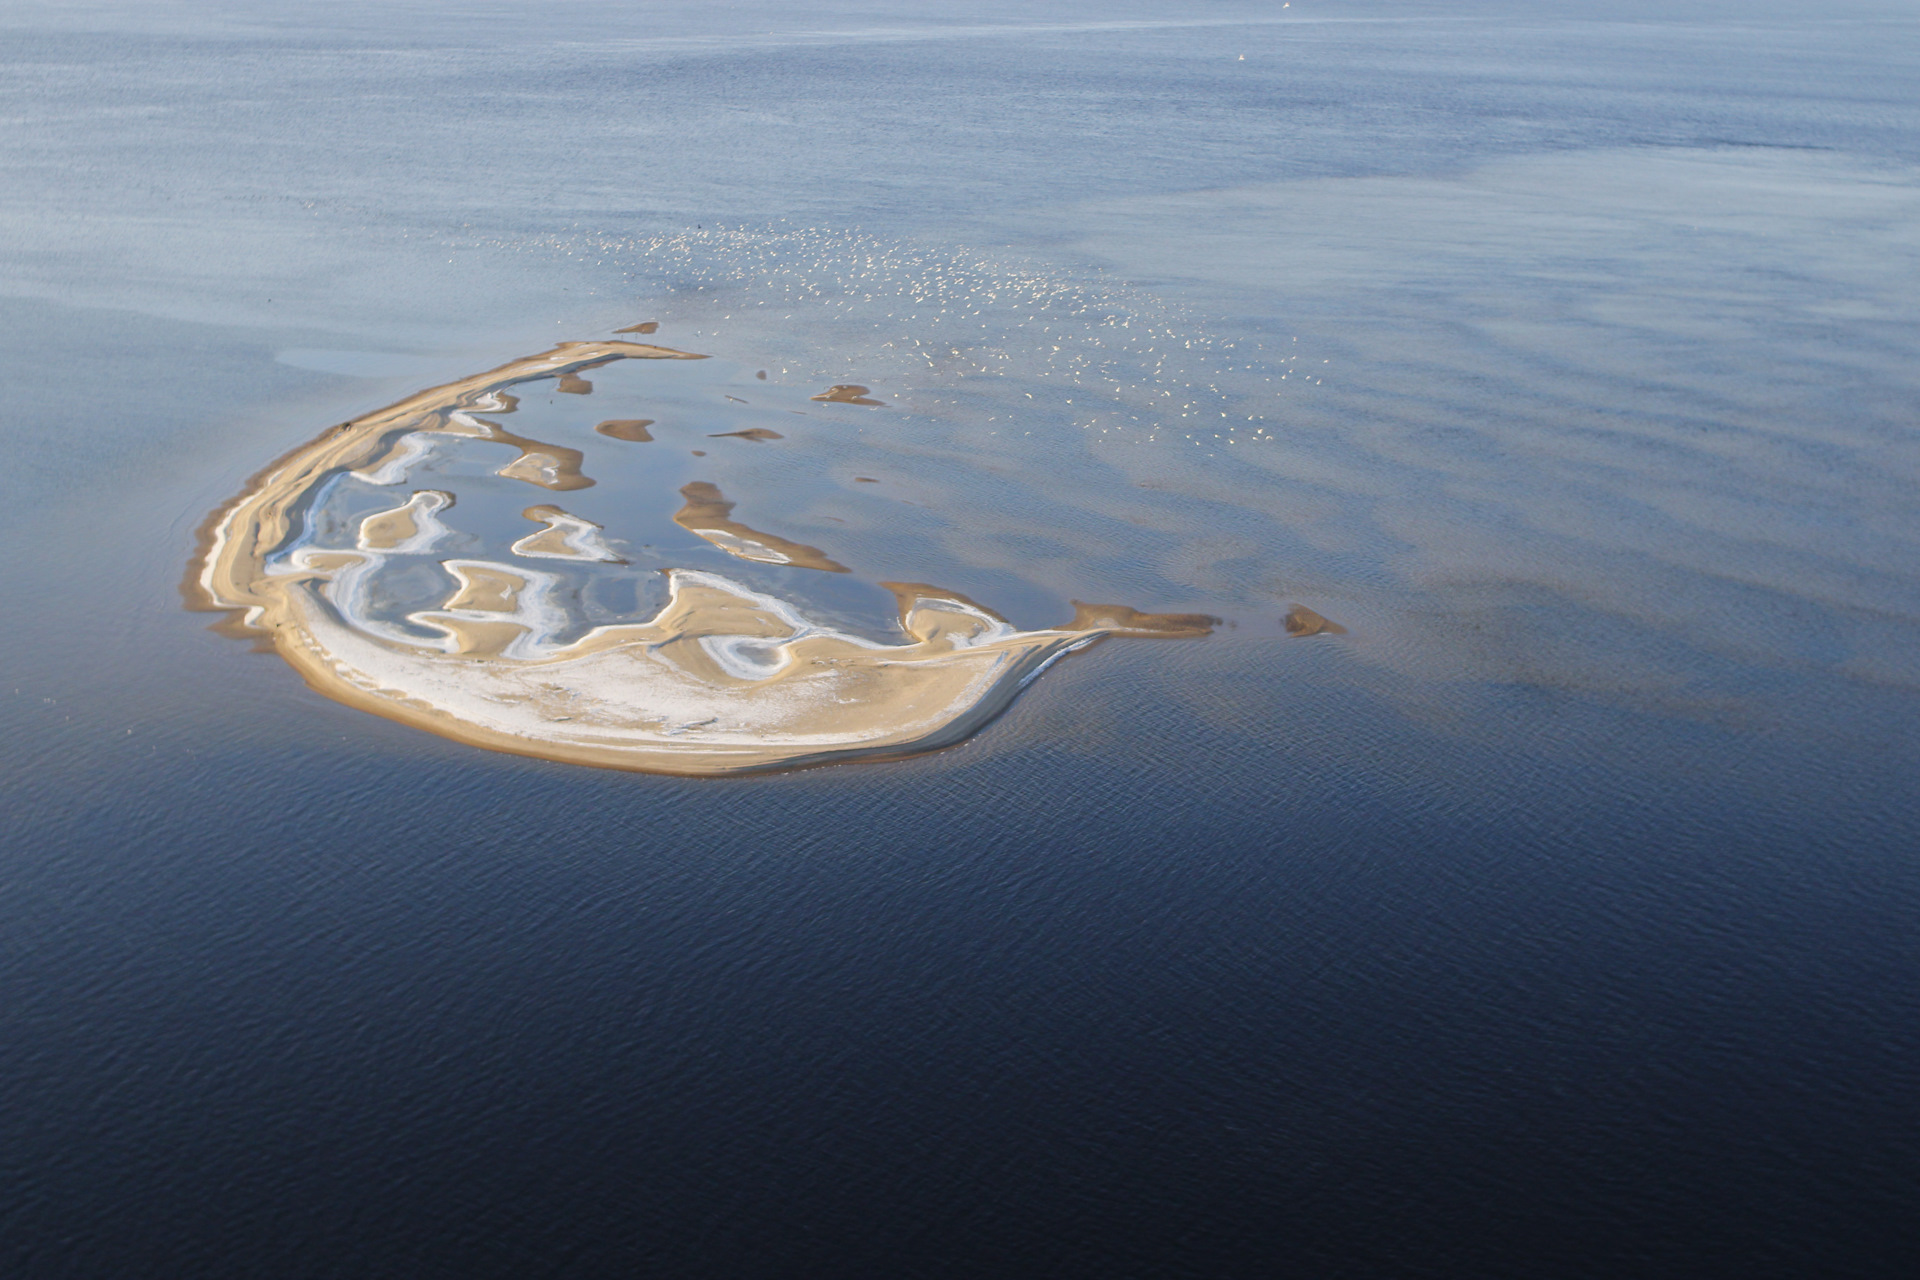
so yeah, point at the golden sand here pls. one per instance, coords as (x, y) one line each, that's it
(550, 466)
(847, 393)
(634, 429)
(1302, 621)
(566, 537)
(723, 679)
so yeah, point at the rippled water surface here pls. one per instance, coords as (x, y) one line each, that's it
(1519, 880)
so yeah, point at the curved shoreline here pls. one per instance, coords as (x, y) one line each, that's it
(722, 680)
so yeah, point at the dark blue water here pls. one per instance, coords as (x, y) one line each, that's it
(1559, 921)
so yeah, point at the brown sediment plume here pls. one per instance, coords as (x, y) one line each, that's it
(574, 385)
(708, 513)
(1302, 621)
(645, 326)
(634, 429)
(751, 433)
(762, 375)
(722, 680)
(847, 393)
(865, 480)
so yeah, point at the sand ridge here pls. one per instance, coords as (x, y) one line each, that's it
(723, 679)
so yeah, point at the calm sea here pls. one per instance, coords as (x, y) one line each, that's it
(1558, 918)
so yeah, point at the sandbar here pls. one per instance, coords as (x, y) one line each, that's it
(848, 393)
(1302, 622)
(631, 429)
(723, 679)
(708, 513)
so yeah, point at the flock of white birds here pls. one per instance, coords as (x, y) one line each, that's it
(937, 324)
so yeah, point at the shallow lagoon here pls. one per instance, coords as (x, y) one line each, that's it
(1556, 917)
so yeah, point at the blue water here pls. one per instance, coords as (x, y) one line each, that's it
(1556, 920)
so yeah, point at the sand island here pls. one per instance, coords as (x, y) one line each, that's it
(723, 679)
